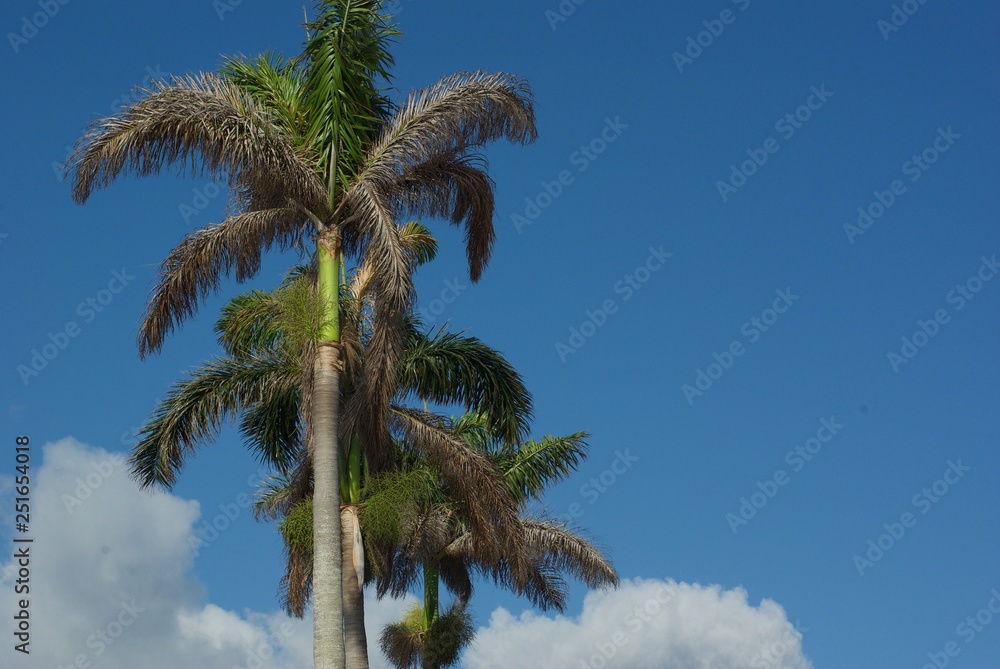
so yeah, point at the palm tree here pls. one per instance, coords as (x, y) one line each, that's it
(427, 537)
(306, 144)
(413, 528)
(265, 337)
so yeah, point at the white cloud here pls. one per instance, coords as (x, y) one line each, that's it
(112, 588)
(111, 582)
(646, 624)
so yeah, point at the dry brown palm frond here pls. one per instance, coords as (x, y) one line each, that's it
(368, 407)
(471, 479)
(200, 123)
(456, 187)
(566, 551)
(403, 641)
(407, 644)
(420, 165)
(535, 578)
(454, 573)
(430, 139)
(359, 282)
(196, 266)
(464, 110)
(550, 549)
(295, 588)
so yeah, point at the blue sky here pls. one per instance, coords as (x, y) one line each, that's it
(689, 214)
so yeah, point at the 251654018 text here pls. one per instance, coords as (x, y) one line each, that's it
(22, 544)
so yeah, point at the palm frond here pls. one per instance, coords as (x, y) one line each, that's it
(248, 324)
(273, 428)
(428, 143)
(347, 51)
(296, 530)
(470, 479)
(455, 575)
(457, 188)
(407, 645)
(419, 243)
(194, 410)
(196, 266)
(447, 637)
(452, 368)
(401, 642)
(557, 546)
(276, 84)
(535, 465)
(367, 409)
(201, 123)
(272, 498)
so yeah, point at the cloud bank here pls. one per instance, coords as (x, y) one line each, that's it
(112, 588)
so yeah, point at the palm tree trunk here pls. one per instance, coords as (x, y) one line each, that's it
(354, 600)
(431, 610)
(328, 613)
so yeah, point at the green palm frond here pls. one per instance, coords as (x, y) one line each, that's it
(273, 428)
(419, 242)
(347, 51)
(248, 324)
(535, 465)
(448, 636)
(273, 498)
(297, 532)
(194, 410)
(452, 368)
(276, 84)
(393, 499)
